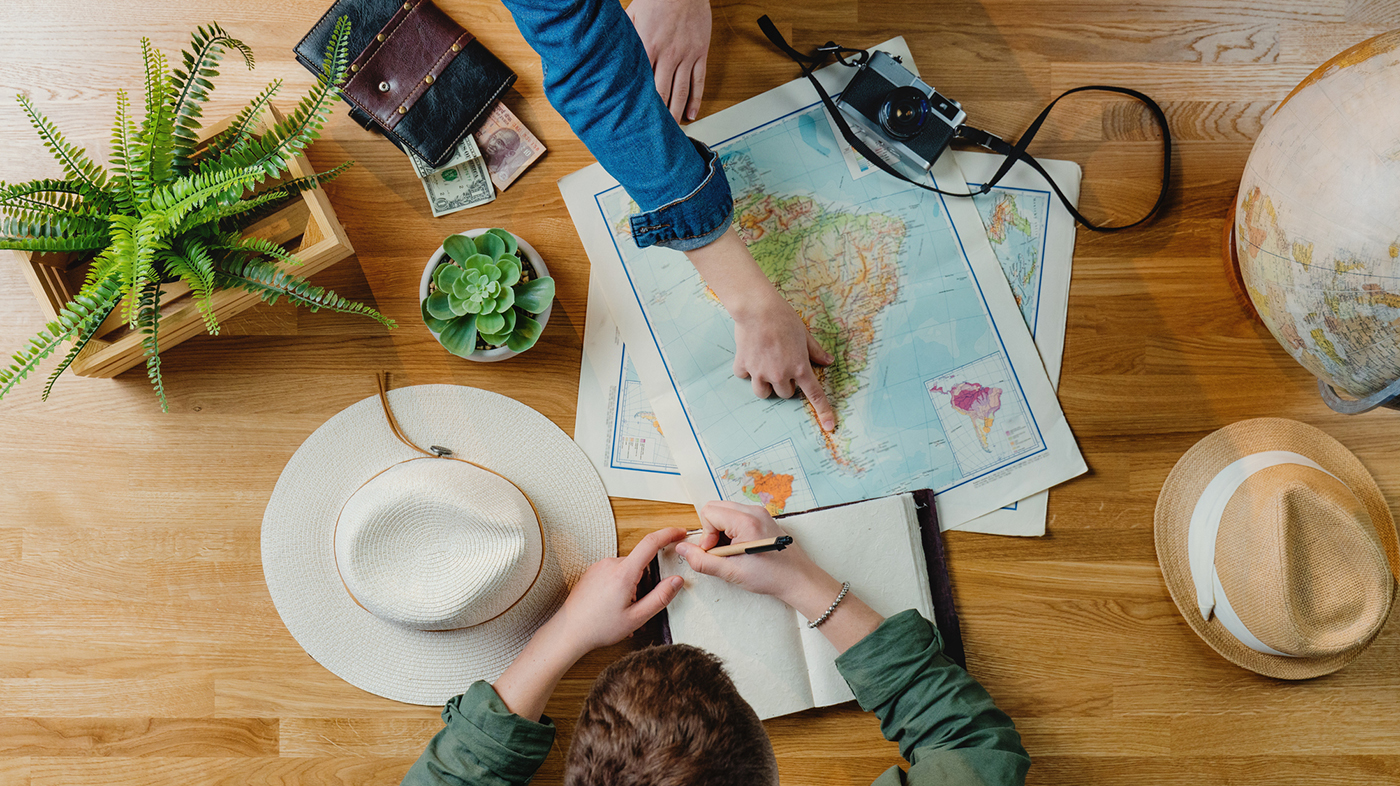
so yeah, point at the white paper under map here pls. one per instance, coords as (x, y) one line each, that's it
(937, 383)
(779, 664)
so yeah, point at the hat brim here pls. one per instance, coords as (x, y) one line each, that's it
(298, 548)
(1184, 486)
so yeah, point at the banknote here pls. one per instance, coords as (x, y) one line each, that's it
(459, 187)
(508, 145)
(466, 151)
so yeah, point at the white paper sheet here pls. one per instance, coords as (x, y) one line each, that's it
(779, 664)
(935, 377)
(616, 424)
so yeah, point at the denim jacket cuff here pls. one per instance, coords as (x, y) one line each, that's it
(696, 219)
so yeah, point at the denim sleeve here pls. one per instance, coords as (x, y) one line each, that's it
(945, 722)
(483, 744)
(597, 75)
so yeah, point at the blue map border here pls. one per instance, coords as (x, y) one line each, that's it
(986, 309)
(617, 418)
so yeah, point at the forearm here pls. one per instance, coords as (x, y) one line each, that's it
(529, 681)
(851, 621)
(933, 708)
(729, 269)
(596, 73)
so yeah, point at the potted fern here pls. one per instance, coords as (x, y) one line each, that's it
(172, 212)
(486, 295)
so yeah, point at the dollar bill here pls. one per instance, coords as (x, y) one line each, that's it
(508, 146)
(459, 187)
(466, 151)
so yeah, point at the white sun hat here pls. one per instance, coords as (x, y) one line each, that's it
(411, 572)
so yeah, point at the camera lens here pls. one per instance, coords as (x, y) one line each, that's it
(904, 112)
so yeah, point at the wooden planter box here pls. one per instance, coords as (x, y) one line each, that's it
(307, 228)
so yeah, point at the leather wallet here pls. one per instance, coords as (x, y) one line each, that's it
(419, 78)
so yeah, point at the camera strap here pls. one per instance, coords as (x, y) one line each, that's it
(1012, 152)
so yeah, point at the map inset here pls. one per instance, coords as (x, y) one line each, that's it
(986, 423)
(772, 477)
(875, 269)
(1016, 221)
(637, 439)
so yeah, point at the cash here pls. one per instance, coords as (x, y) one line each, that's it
(461, 183)
(509, 146)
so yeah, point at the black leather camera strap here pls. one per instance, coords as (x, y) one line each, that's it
(1013, 152)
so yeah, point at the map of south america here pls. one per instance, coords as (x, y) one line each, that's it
(978, 403)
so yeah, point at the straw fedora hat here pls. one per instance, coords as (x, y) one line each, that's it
(418, 538)
(1278, 548)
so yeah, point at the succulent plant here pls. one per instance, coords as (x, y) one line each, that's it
(482, 289)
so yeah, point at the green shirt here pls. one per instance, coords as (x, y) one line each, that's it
(946, 724)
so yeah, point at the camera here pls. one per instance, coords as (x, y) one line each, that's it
(909, 121)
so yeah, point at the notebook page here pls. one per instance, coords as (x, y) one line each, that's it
(752, 634)
(876, 546)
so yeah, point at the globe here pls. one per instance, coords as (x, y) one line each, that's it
(1317, 225)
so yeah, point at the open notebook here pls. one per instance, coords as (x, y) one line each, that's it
(890, 551)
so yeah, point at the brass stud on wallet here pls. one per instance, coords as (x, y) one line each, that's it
(456, 48)
(402, 110)
(354, 69)
(380, 37)
(428, 79)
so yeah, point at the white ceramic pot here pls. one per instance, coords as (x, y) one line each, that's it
(527, 251)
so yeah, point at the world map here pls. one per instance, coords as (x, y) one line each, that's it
(876, 271)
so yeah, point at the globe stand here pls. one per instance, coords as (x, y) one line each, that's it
(1388, 397)
(1230, 256)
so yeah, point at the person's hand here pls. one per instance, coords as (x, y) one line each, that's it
(774, 350)
(787, 575)
(676, 34)
(603, 607)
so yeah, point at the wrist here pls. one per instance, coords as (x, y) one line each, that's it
(558, 643)
(813, 594)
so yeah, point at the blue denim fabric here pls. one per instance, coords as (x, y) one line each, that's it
(596, 73)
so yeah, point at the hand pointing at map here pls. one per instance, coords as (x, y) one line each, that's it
(773, 348)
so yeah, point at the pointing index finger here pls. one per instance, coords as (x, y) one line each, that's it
(812, 389)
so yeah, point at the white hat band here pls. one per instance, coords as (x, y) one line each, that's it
(1205, 526)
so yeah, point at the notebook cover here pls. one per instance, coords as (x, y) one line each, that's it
(658, 628)
(457, 102)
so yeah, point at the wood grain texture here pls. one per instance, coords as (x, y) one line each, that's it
(138, 644)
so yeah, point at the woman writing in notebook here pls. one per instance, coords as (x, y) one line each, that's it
(598, 72)
(671, 715)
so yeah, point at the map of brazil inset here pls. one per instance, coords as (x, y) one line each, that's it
(899, 290)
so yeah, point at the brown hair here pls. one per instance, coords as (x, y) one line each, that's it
(668, 716)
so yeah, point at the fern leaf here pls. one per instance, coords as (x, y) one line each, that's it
(85, 335)
(148, 319)
(190, 87)
(49, 245)
(91, 305)
(154, 140)
(76, 165)
(272, 152)
(17, 222)
(241, 129)
(175, 201)
(69, 196)
(122, 131)
(265, 279)
(195, 266)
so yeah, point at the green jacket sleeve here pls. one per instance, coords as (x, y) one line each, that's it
(483, 744)
(946, 724)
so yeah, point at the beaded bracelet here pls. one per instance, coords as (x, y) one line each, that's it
(845, 587)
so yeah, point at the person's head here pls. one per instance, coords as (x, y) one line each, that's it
(668, 716)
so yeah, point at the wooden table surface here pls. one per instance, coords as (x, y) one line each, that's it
(138, 644)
